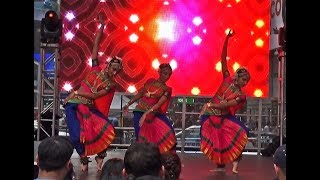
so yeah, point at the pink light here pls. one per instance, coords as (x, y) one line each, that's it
(132, 89)
(166, 3)
(134, 18)
(69, 36)
(155, 64)
(133, 38)
(70, 16)
(197, 21)
(166, 30)
(204, 31)
(67, 86)
(173, 63)
(196, 40)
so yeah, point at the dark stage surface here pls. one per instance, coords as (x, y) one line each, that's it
(196, 166)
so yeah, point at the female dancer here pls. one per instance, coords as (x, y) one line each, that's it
(87, 108)
(150, 121)
(223, 136)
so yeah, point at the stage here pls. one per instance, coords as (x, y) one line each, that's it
(196, 166)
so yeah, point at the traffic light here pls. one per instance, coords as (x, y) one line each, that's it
(51, 28)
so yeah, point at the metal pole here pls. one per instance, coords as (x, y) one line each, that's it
(184, 109)
(41, 89)
(281, 62)
(259, 124)
(279, 91)
(56, 104)
(121, 113)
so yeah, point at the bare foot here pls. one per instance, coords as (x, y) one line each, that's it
(220, 169)
(84, 167)
(99, 163)
(235, 167)
(84, 163)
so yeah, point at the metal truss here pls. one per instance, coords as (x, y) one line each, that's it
(49, 95)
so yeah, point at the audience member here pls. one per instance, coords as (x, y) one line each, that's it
(53, 158)
(35, 171)
(142, 160)
(112, 169)
(172, 165)
(279, 162)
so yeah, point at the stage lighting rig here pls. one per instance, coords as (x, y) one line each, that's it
(51, 28)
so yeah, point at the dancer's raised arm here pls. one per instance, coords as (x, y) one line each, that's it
(224, 65)
(97, 41)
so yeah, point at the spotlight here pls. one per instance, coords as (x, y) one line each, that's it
(51, 28)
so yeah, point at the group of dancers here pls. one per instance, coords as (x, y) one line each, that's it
(223, 136)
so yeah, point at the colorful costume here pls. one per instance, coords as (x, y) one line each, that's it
(87, 120)
(156, 128)
(223, 136)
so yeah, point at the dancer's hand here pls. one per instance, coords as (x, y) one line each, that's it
(203, 109)
(231, 33)
(71, 95)
(142, 119)
(125, 109)
(101, 19)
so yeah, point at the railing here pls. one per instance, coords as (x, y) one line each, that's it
(258, 115)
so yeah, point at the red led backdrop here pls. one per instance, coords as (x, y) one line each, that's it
(188, 32)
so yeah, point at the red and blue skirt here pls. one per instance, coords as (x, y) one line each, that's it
(223, 138)
(157, 129)
(90, 131)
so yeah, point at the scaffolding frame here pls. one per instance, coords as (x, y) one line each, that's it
(53, 91)
(281, 89)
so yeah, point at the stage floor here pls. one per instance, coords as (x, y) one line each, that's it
(196, 166)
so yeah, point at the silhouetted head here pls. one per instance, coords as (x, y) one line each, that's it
(172, 165)
(112, 169)
(280, 160)
(54, 155)
(142, 158)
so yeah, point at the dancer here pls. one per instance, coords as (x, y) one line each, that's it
(223, 136)
(150, 121)
(87, 108)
